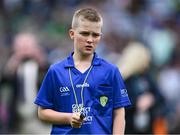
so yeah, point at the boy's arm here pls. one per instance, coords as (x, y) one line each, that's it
(118, 121)
(61, 118)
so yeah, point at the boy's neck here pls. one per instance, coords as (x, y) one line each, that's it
(82, 63)
(80, 58)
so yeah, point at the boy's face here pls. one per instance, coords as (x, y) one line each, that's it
(86, 36)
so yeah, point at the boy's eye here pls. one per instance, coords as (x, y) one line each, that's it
(85, 33)
(95, 34)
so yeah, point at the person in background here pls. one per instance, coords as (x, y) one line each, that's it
(21, 77)
(148, 102)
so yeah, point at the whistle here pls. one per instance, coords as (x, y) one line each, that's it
(82, 116)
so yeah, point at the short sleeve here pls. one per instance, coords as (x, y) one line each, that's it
(120, 95)
(45, 94)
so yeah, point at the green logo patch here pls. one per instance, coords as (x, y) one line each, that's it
(103, 100)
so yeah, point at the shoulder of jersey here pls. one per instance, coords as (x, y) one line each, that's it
(58, 64)
(108, 64)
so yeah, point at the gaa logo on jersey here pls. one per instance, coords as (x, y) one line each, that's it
(64, 91)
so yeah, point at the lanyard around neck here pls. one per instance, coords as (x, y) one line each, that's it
(82, 88)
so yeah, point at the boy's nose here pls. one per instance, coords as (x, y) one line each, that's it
(90, 39)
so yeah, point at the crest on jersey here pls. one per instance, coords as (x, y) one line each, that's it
(103, 100)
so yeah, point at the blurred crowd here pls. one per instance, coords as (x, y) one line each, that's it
(140, 36)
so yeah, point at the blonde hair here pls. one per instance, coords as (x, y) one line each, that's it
(89, 14)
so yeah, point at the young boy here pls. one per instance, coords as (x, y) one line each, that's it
(84, 94)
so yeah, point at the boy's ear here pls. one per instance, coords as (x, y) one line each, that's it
(71, 33)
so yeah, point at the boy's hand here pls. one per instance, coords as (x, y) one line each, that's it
(76, 120)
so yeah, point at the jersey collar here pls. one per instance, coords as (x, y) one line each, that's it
(70, 62)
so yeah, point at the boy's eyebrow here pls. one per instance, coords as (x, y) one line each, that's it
(90, 32)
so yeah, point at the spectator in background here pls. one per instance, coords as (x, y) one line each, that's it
(25, 46)
(144, 93)
(21, 72)
(169, 82)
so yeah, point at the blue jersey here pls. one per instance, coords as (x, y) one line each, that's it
(103, 91)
